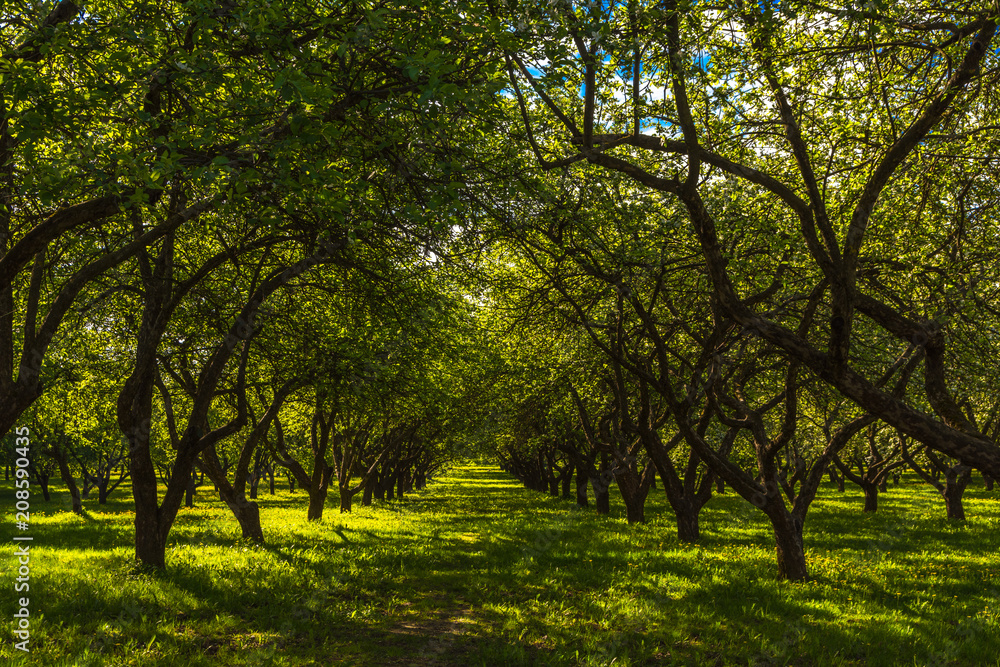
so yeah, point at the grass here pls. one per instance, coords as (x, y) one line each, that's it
(476, 570)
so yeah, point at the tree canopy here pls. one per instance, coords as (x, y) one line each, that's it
(714, 245)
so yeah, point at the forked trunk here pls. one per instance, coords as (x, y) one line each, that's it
(634, 491)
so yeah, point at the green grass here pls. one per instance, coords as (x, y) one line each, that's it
(477, 570)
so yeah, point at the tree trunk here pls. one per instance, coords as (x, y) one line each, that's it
(67, 477)
(687, 524)
(988, 481)
(248, 515)
(317, 500)
(953, 505)
(602, 499)
(150, 545)
(567, 483)
(581, 487)
(720, 485)
(270, 477)
(956, 481)
(246, 511)
(790, 550)
(345, 500)
(189, 492)
(634, 494)
(871, 497)
(43, 482)
(366, 494)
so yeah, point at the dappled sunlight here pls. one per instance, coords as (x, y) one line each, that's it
(539, 580)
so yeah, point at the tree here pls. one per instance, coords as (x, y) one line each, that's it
(829, 179)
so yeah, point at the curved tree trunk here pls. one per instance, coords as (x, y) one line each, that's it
(67, 477)
(246, 511)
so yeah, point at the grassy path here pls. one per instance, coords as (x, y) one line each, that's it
(476, 570)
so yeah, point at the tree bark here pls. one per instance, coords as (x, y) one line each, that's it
(316, 502)
(581, 487)
(346, 498)
(957, 479)
(871, 497)
(192, 485)
(602, 499)
(67, 477)
(688, 530)
(246, 511)
(634, 489)
(790, 549)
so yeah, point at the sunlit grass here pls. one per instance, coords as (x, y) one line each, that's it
(477, 570)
